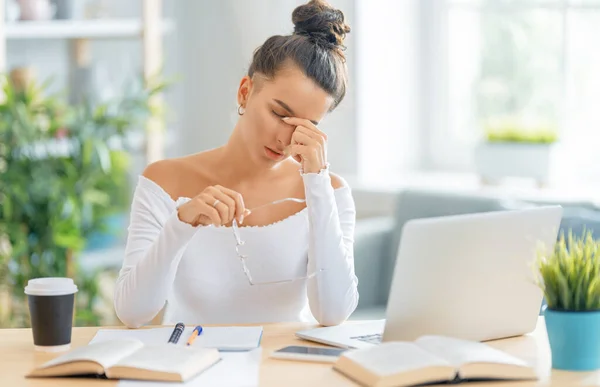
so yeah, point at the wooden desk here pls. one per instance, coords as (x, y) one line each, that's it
(17, 357)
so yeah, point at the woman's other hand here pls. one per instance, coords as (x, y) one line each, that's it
(308, 145)
(215, 205)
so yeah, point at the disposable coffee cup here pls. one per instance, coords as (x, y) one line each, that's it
(51, 301)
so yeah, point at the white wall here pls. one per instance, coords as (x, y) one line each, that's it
(389, 135)
(217, 39)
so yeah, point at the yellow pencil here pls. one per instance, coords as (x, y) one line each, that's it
(195, 334)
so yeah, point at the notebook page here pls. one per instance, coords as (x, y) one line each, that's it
(105, 353)
(460, 352)
(223, 338)
(227, 338)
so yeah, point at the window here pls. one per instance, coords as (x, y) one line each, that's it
(534, 62)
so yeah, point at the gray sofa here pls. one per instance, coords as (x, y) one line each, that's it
(377, 238)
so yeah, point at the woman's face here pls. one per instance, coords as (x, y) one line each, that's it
(266, 102)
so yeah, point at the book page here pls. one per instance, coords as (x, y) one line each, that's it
(395, 357)
(167, 358)
(460, 352)
(105, 353)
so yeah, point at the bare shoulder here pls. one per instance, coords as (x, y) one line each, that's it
(172, 174)
(162, 172)
(337, 181)
(159, 171)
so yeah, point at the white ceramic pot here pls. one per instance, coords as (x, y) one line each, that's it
(495, 161)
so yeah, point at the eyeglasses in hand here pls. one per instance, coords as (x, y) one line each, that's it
(239, 242)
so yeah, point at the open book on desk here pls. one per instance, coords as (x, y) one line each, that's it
(430, 359)
(131, 359)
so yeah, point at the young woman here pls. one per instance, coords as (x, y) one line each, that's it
(213, 235)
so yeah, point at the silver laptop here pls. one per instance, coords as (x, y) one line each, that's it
(465, 276)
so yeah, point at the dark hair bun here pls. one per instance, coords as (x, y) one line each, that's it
(321, 22)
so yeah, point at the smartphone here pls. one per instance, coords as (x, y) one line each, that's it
(302, 353)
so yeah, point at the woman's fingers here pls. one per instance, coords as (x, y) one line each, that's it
(292, 151)
(304, 139)
(298, 150)
(226, 205)
(240, 209)
(305, 123)
(215, 205)
(208, 210)
(317, 136)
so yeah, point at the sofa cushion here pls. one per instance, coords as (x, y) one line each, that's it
(578, 220)
(371, 249)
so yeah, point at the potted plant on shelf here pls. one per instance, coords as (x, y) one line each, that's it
(512, 148)
(569, 276)
(63, 172)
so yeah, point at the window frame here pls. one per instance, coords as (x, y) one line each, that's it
(443, 153)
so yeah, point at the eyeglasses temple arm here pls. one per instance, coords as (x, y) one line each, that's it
(297, 200)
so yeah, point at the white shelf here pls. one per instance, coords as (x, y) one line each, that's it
(79, 29)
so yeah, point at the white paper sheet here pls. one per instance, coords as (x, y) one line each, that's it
(223, 338)
(236, 369)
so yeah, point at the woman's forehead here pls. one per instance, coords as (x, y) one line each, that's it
(299, 95)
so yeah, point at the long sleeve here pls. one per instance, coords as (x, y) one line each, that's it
(333, 292)
(155, 243)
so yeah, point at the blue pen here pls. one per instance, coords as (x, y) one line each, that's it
(197, 331)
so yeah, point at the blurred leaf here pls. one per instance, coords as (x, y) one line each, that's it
(69, 240)
(6, 203)
(96, 197)
(104, 157)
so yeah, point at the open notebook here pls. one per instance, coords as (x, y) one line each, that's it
(430, 359)
(131, 359)
(236, 338)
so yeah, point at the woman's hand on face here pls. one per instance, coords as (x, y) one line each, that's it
(308, 145)
(214, 205)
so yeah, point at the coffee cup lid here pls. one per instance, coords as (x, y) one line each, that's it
(50, 286)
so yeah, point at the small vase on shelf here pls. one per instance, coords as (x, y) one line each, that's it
(36, 9)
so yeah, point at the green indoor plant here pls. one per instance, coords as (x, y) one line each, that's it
(569, 276)
(517, 132)
(63, 170)
(512, 148)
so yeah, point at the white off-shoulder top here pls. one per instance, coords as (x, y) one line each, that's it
(197, 273)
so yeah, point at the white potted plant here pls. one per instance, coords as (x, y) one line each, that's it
(569, 276)
(515, 149)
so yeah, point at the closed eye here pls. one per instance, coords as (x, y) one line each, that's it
(278, 115)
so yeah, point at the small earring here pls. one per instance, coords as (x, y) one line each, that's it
(241, 110)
